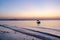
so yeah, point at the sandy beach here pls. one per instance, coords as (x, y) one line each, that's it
(20, 33)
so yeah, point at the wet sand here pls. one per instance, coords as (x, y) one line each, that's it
(33, 33)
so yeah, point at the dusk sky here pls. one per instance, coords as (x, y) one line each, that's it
(29, 8)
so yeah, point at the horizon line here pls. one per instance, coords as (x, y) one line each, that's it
(28, 19)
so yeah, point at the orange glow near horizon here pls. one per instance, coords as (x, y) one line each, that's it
(35, 15)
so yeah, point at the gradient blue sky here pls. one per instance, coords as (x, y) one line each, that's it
(29, 8)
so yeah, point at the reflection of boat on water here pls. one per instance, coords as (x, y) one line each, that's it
(38, 22)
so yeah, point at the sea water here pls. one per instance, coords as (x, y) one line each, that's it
(55, 24)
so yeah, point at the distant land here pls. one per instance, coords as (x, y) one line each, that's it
(29, 19)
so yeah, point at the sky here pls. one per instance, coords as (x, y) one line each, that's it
(29, 8)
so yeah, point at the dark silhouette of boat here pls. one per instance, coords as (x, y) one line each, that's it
(38, 22)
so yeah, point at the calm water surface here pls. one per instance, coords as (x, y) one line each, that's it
(44, 23)
(50, 24)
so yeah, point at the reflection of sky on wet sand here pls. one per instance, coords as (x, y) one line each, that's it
(55, 24)
(51, 24)
(46, 25)
(13, 36)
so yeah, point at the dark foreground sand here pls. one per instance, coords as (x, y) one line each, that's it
(14, 33)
